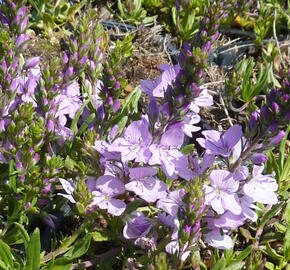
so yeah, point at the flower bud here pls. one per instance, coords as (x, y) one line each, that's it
(20, 40)
(69, 72)
(254, 119)
(278, 138)
(116, 105)
(32, 62)
(259, 158)
(153, 110)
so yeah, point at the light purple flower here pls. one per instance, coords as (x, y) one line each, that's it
(135, 142)
(203, 100)
(107, 188)
(229, 221)
(69, 102)
(261, 188)
(32, 62)
(20, 40)
(188, 128)
(172, 202)
(217, 144)
(207, 161)
(166, 154)
(158, 87)
(221, 195)
(69, 186)
(221, 241)
(144, 185)
(137, 226)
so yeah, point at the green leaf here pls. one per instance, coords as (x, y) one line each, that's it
(187, 149)
(33, 252)
(244, 254)
(24, 234)
(287, 244)
(286, 215)
(60, 264)
(235, 266)
(271, 213)
(85, 125)
(100, 236)
(6, 255)
(132, 206)
(80, 247)
(220, 264)
(12, 176)
(131, 105)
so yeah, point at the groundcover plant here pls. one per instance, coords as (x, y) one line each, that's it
(89, 181)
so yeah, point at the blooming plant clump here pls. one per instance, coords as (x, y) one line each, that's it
(71, 146)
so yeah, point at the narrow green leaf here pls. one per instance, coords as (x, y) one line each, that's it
(244, 254)
(273, 252)
(271, 213)
(24, 234)
(220, 264)
(33, 252)
(235, 266)
(287, 244)
(80, 247)
(12, 175)
(85, 125)
(6, 255)
(286, 215)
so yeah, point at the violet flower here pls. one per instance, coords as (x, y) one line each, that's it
(107, 188)
(69, 102)
(144, 185)
(172, 202)
(137, 226)
(261, 188)
(166, 154)
(69, 186)
(158, 87)
(135, 142)
(217, 144)
(221, 195)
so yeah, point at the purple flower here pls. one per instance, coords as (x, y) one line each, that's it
(135, 142)
(229, 221)
(145, 186)
(221, 241)
(69, 102)
(221, 194)
(261, 188)
(158, 87)
(69, 186)
(203, 100)
(254, 119)
(166, 154)
(172, 202)
(32, 62)
(137, 226)
(217, 144)
(188, 128)
(20, 40)
(207, 161)
(107, 188)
